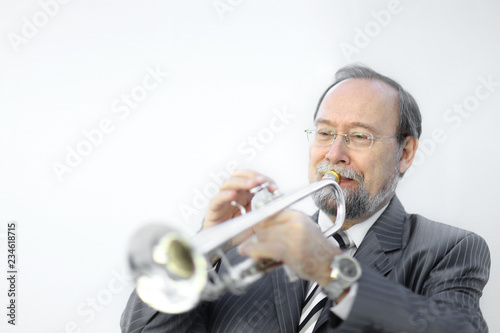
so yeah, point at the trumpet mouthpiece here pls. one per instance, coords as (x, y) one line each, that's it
(332, 174)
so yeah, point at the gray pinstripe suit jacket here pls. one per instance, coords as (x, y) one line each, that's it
(418, 276)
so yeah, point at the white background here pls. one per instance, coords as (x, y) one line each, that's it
(229, 72)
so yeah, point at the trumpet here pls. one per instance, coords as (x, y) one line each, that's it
(173, 272)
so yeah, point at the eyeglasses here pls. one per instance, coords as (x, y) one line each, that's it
(353, 140)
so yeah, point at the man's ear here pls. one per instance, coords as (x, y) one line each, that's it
(408, 153)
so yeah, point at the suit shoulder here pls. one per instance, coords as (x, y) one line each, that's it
(421, 228)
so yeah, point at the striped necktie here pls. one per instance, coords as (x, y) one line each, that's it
(315, 298)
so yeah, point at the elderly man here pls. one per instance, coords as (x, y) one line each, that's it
(386, 271)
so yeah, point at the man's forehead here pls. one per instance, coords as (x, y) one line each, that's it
(363, 101)
(361, 85)
(360, 94)
(353, 124)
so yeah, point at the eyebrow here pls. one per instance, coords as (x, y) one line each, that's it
(353, 124)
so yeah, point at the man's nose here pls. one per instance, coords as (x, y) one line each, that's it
(338, 151)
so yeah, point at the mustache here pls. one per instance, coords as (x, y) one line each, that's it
(342, 170)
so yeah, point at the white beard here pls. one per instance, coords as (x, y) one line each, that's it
(358, 202)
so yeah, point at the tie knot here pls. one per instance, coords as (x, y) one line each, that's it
(343, 239)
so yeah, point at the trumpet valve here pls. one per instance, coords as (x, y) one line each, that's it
(263, 196)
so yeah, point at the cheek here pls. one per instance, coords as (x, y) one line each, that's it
(372, 181)
(370, 168)
(314, 159)
(378, 174)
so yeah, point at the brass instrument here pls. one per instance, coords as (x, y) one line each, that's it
(173, 272)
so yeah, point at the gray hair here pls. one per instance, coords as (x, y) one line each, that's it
(410, 119)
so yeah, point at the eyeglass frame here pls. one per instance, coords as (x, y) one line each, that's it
(346, 139)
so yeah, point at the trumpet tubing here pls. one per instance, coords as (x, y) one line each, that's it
(173, 272)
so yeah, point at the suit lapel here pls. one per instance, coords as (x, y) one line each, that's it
(384, 236)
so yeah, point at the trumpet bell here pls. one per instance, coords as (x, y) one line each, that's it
(169, 273)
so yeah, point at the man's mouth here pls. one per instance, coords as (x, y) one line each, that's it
(344, 174)
(345, 180)
(342, 179)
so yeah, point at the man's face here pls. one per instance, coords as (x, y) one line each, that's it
(367, 176)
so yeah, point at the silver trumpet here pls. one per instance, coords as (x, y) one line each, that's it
(173, 272)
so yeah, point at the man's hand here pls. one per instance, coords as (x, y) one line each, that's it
(236, 188)
(294, 239)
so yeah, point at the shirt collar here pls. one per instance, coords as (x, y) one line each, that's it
(358, 231)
